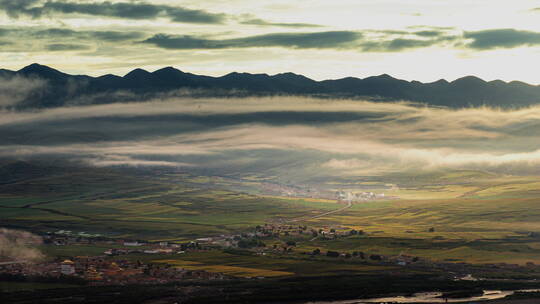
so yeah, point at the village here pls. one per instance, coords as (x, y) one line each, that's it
(123, 262)
(302, 191)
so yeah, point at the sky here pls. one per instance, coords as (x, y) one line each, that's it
(421, 40)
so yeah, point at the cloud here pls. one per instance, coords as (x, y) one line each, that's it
(429, 33)
(19, 245)
(126, 10)
(250, 20)
(117, 160)
(112, 36)
(312, 137)
(39, 39)
(396, 45)
(16, 89)
(66, 47)
(368, 40)
(19, 7)
(501, 38)
(317, 40)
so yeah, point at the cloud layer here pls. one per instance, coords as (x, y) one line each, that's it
(316, 138)
(317, 40)
(502, 38)
(127, 10)
(16, 245)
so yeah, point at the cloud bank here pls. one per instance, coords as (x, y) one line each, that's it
(315, 137)
(16, 89)
(127, 10)
(16, 245)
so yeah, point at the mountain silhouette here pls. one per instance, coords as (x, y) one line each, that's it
(63, 89)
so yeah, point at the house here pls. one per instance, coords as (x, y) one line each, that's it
(133, 244)
(67, 267)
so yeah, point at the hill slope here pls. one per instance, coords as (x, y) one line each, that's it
(468, 91)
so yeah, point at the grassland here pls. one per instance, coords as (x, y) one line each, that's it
(140, 205)
(477, 217)
(242, 264)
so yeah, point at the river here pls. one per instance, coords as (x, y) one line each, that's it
(431, 297)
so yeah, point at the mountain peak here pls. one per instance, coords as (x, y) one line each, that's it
(381, 77)
(169, 72)
(469, 79)
(168, 69)
(41, 70)
(440, 82)
(137, 73)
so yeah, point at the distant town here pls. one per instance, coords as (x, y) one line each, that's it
(120, 263)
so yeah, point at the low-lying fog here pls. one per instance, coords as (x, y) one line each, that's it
(316, 136)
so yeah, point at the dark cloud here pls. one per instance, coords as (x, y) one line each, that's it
(261, 22)
(15, 8)
(318, 40)
(428, 33)
(66, 47)
(95, 35)
(396, 45)
(15, 39)
(391, 41)
(116, 36)
(127, 10)
(501, 38)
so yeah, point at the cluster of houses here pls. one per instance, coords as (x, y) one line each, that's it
(292, 190)
(100, 270)
(350, 197)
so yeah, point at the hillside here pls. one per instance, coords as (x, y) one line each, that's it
(64, 89)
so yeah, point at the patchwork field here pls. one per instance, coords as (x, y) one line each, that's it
(240, 264)
(141, 206)
(474, 218)
(451, 216)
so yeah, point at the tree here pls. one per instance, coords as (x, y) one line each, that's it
(375, 257)
(332, 254)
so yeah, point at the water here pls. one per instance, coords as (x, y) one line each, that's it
(432, 297)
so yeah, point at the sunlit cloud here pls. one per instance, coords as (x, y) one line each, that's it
(347, 137)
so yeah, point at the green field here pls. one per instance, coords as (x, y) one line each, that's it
(150, 207)
(477, 217)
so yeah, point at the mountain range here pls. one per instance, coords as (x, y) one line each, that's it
(65, 89)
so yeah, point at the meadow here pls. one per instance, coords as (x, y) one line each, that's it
(141, 206)
(462, 216)
(458, 216)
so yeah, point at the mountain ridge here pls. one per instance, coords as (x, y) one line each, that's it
(466, 91)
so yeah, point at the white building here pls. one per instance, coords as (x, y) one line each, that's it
(67, 267)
